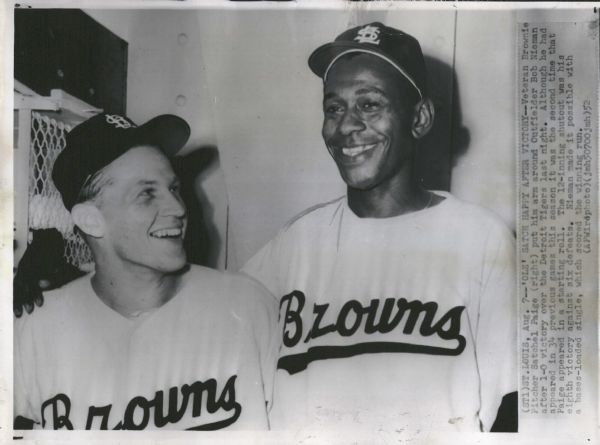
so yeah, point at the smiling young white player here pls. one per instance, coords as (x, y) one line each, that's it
(145, 341)
(397, 304)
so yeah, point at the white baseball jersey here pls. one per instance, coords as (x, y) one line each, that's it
(202, 361)
(402, 323)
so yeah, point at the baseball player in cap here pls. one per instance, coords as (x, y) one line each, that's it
(397, 304)
(146, 341)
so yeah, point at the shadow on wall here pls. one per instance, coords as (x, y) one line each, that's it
(448, 140)
(202, 240)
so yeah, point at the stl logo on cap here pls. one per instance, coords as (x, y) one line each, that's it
(368, 34)
(118, 121)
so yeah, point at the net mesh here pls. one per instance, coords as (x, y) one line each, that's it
(46, 209)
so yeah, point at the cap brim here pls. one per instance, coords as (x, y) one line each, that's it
(320, 59)
(170, 133)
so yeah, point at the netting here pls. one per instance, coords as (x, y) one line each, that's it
(46, 209)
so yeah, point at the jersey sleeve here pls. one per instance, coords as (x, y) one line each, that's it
(263, 306)
(264, 266)
(270, 344)
(496, 333)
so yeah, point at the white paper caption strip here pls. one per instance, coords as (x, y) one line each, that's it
(557, 137)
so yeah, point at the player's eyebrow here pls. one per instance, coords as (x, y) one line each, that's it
(366, 90)
(146, 182)
(360, 91)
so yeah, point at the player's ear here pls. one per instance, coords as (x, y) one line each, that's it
(423, 116)
(89, 219)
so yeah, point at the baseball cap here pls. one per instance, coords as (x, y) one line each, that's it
(399, 49)
(98, 141)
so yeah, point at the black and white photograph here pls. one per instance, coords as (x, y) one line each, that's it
(301, 222)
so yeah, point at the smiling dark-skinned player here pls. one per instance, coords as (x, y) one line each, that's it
(397, 304)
